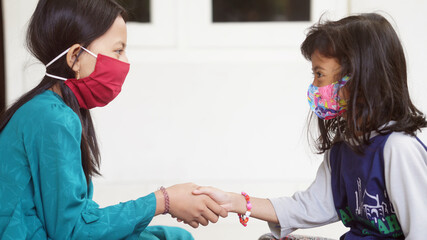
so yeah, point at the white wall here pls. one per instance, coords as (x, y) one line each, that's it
(198, 106)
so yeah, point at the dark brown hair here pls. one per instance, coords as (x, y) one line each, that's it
(370, 53)
(55, 26)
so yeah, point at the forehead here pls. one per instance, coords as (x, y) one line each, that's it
(118, 27)
(116, 34)
(320, 61)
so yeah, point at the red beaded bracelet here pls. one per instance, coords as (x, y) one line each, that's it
(245, 218)
(166, 196)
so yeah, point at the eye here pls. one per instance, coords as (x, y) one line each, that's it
(119, 51)
(317, 74)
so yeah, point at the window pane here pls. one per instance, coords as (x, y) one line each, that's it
(260, 10)
(138, 10)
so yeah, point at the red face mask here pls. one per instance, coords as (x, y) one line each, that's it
(102, 85)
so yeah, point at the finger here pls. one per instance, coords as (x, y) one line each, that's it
(194, 224)
(202, 220)
(207, 212)
(215, 208)
(179, 220)
(210, 216)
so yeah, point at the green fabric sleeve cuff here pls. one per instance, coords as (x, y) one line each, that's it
(146, 206)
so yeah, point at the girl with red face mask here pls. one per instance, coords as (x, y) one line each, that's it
(48, 149)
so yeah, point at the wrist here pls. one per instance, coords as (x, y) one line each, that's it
(160, 202)
(238, 203)
(244, 218)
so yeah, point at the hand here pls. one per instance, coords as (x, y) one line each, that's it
(262, 208)
(224, 199)
(193, 209)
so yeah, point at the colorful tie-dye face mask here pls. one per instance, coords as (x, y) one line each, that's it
(325, 101)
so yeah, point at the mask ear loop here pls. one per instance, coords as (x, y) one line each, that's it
(59, 56)
(54, 60)
(91, 53)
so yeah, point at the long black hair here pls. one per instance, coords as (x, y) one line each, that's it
(370, 53)
(55, 26)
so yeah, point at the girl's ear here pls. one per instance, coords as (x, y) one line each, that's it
(72, 58)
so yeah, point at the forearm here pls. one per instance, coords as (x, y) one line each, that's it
(118, 221)
(261, 207)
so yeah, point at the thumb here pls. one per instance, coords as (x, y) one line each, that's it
(223, 213)
(202, 190)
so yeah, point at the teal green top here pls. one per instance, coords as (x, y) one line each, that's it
(43, 190)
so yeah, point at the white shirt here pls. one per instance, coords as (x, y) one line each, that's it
(405, 170)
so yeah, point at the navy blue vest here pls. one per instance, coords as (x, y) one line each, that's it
(359, 192)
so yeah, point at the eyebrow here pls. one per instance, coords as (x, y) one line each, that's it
(317, 68)
(122, 43)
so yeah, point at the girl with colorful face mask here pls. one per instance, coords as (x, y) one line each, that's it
(374, 175)
(48, 148)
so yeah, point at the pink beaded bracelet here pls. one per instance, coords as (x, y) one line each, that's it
(245, 218)
(166, 196)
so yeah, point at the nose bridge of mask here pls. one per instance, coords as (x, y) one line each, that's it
(59, 56)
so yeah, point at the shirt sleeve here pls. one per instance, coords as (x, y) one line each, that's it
(62, 200)
(310, 208)
(405, 171)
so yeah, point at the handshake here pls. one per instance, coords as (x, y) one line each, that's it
(195, 205)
